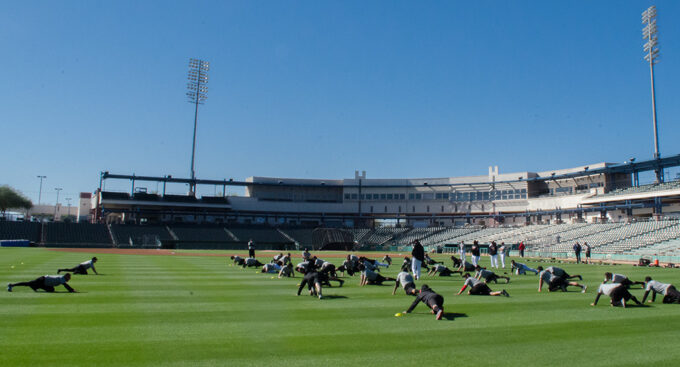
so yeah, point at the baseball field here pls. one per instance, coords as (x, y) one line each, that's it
(195, 309)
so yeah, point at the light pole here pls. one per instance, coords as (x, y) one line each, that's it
(40, 192)
(651, 48)
(197, 91)
(68, 200)
(58, 189)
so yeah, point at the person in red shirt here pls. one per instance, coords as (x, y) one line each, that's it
(521, 249)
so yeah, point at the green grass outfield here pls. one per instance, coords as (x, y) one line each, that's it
(199, 311)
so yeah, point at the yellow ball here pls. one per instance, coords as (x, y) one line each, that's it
(398, 314)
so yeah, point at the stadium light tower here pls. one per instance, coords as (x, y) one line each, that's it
(40, 192)
(197, 91)
(652, 56)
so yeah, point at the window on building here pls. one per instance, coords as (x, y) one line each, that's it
(389, 196)
(383, 196)
(354, 196)
(419, 196)
(346, 196)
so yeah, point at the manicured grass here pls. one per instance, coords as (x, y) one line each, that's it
(199, 311)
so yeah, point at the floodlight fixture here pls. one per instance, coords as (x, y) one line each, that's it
(197, 91)
(41, 177)
(651, 48)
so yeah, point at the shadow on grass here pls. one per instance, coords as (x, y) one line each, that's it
(333, 297)
(452, 315)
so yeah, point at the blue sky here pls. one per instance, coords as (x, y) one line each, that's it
(318, 89)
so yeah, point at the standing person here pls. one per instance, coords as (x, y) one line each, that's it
(82, 267)
(670, 294)
(418, 254)
(406, 281)
(479, 288)
(46, 283)
(618, 293)
(461, 250)
(493, 254)
(577, 252)
(431, 299)
(251, 248)
(587, 246)
(621, 279)
(502, 251)
(521, 269)
(521, 248)
(475, 251)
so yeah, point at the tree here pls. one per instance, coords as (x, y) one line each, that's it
(11, 199)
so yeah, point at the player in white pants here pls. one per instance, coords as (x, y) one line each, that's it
(461, 251)
(501, 253)
(475, 251)
(493, 254)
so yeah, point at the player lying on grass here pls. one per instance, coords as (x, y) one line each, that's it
(479, 288)
(559, 272)
(406, 281)
(555, 282)
(466, 266)
(429, 297)
(442, 270)
(350, 265)
(238, 260)
(328, 268)
(618, 294)
(429, 261)
(456, 261)
(621, 279)
(251, 262)
(670, 294)
(387, 260)
(368, 276)
(371, 263)
(272, 267)
(287, 271)
(82, 267)
(488, 275)
(46, 283)
(521, 269)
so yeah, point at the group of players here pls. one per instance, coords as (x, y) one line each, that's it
(48, 282)
(317, 273)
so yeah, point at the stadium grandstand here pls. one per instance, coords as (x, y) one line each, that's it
(602, 204)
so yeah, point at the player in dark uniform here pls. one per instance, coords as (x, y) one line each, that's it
(251, 262)
(238, 260)
(433, 300)
(312, 280)
(479, 288)
(456, 261)
(82, 267)
(46, 283)
(556, 282)
(488, 275)
(442, 270)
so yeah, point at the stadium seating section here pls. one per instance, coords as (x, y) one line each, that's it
(642, 238)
